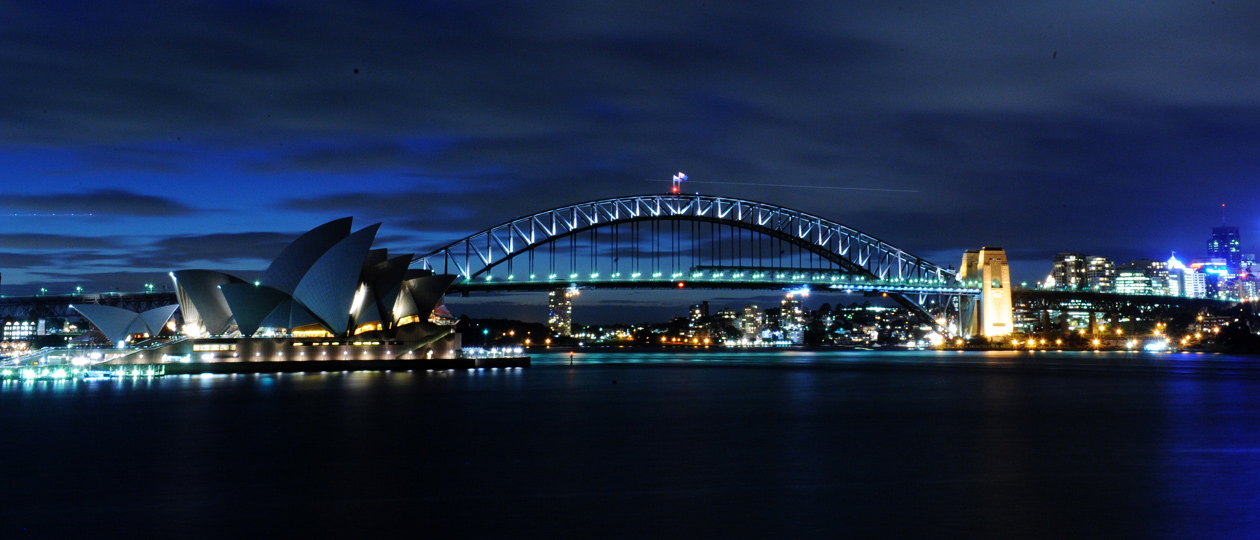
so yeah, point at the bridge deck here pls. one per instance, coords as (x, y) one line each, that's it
(715, 280)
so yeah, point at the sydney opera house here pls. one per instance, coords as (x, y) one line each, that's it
(327, 296)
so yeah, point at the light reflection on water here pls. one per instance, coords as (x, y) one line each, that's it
(1049, 360)
(676, 443)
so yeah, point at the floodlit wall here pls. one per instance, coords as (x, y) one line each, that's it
(992, 315)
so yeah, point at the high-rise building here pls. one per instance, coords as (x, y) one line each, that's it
(1246, 288)
(1226, 244)
(728, 316)
(696, 322)
(1132, 280)
(752, 322)
(1143, 276)
(993, 316)
(1069, 271)
(1100, 273)
(560, 310)
(1193, 284)
(1184, 281)
(792, 317)
(1158, 272)
(699, 311)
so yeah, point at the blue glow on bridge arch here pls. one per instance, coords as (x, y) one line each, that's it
(701, 240)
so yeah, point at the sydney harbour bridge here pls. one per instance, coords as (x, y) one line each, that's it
(696, 241)
(685, 241)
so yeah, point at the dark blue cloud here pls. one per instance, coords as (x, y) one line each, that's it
(105, 202)
(1112, 128)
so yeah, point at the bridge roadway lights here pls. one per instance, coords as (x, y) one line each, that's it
(716, 282)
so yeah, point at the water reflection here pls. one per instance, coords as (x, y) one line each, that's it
(739, 443)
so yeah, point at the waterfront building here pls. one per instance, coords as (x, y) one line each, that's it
(993, 316)
(328, 283)
(728, 317)
(1100, 273)
(18, 330)
(1069, 271)
(698, 316)
(560, 310)
(752, 321)
(792, 317)
(120, 326)
(699, 311)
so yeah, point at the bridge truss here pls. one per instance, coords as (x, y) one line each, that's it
(706, 241)
(849, 249)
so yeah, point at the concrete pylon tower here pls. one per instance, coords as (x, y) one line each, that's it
(993, 316)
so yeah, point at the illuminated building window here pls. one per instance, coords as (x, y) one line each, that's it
(369, 327)
(409, 319)
(204, 347)
(311, 332)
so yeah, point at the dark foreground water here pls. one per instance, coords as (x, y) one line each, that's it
(766, 445)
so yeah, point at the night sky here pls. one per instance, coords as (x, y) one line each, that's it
(140, 138)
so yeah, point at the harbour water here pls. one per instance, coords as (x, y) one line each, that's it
(784, 444)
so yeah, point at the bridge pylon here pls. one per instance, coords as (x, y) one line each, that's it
(990, 314)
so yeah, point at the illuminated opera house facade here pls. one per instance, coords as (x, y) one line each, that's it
(327, 296)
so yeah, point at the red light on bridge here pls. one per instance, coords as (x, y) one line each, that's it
(675, 189)
(680, 284)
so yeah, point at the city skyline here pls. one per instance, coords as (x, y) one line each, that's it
(159, 138)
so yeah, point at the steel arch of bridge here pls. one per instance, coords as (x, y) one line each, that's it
(854, 250)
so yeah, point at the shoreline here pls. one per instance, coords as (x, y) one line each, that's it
(293, 366)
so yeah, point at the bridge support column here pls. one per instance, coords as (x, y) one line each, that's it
(993, 314)
(1063, 322)
(1093, 322)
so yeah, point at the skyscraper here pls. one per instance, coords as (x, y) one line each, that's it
(1184, 281)
(1226, 244)
(560, 308)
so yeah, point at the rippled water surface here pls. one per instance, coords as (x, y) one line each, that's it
(652, 444)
